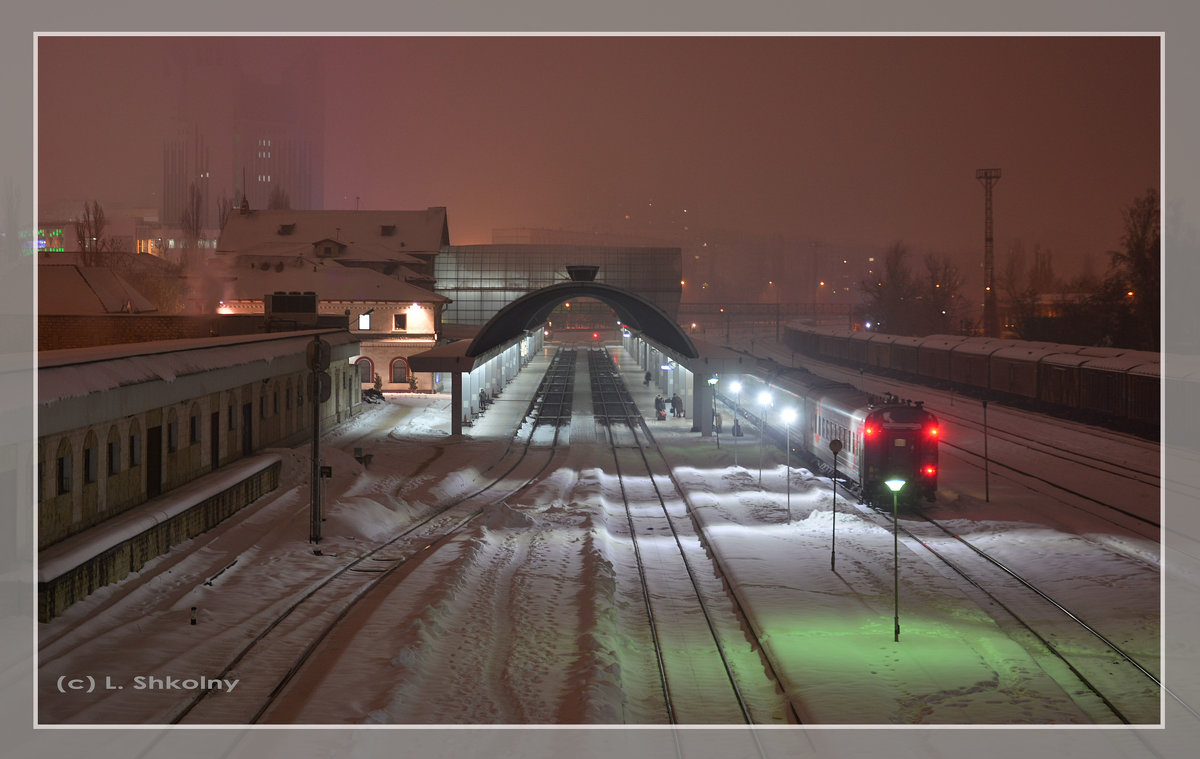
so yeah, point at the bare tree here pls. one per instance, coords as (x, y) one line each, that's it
(89, 234)
(1137, 267)
(889, 298)
(940, 300)
(191, 221)
(224, 207)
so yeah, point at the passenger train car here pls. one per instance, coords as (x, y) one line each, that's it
(880, 438)
(1111, 386)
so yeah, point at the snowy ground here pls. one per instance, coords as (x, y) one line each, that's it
(526, 621)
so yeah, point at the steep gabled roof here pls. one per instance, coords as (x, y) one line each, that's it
(383, 234)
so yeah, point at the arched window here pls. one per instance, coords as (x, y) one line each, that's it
(135, 444)
(91, 458)
(366, 371)
(63, 466)
(399, 370)
(113, 451)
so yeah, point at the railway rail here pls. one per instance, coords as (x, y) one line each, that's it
(284, 646)
(1089, 665)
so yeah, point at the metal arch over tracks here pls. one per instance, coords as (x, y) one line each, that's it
(533, 309)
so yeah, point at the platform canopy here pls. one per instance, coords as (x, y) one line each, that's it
(533, 309)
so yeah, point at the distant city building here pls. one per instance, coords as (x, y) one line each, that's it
(244, 132)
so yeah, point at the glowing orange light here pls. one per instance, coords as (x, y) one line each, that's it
(868, 431)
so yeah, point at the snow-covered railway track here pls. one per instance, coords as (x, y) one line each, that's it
(1071, 496)
(268, 662)
(1105, 681)
(708, 661)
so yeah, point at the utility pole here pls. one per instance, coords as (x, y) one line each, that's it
(991, 323)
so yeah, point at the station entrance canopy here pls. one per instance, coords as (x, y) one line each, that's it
(533, 309)
(486, 358)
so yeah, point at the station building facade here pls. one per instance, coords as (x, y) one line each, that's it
(129, 434)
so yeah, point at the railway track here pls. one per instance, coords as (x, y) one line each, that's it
(268, 662)
(703, 648)
(1108, 683)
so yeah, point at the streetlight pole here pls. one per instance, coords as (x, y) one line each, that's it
(736, 387)
(712, 392)
(789, 416)
(894, 486)
(764, 399)
(987, 492)
(835, 447)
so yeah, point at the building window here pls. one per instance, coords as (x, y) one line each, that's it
(135, 449)
(364, 321)
(401, 321)
(172, 436)
(90, 465)
(275, 402)
(64, 474)
(194, 429)
(399, 370)
(114, 457)
(262, 407)
(232, 417)
(366, 372)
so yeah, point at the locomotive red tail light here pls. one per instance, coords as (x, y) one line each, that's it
(932, 432)
(868, 431)
(595, 335)
(928, 471)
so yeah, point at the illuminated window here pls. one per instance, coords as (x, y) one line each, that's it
(364, 321)
(401, 321)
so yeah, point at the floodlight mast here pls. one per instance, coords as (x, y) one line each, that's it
(991, 323)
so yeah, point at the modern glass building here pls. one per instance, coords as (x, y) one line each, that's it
(482, 279)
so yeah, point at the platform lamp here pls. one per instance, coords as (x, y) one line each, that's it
(894, 486)
(712, 391)
(736, 387)
(764, 400)
(789, 416)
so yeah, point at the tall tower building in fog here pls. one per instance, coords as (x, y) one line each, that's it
(248, 119)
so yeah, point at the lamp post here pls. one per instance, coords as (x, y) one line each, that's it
(835, 447)
(789, 416)
(764, 400)
(712, 392)
(894, 486)
(736, 387)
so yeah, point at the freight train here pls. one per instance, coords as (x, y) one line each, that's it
(1108, 386)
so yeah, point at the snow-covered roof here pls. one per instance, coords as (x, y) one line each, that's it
(75, 372)
(70, 290)
(378, 234)
(331, 281)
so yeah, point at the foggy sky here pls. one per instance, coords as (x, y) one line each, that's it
(864, 140)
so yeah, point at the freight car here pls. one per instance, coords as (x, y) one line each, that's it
(1110, 386)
